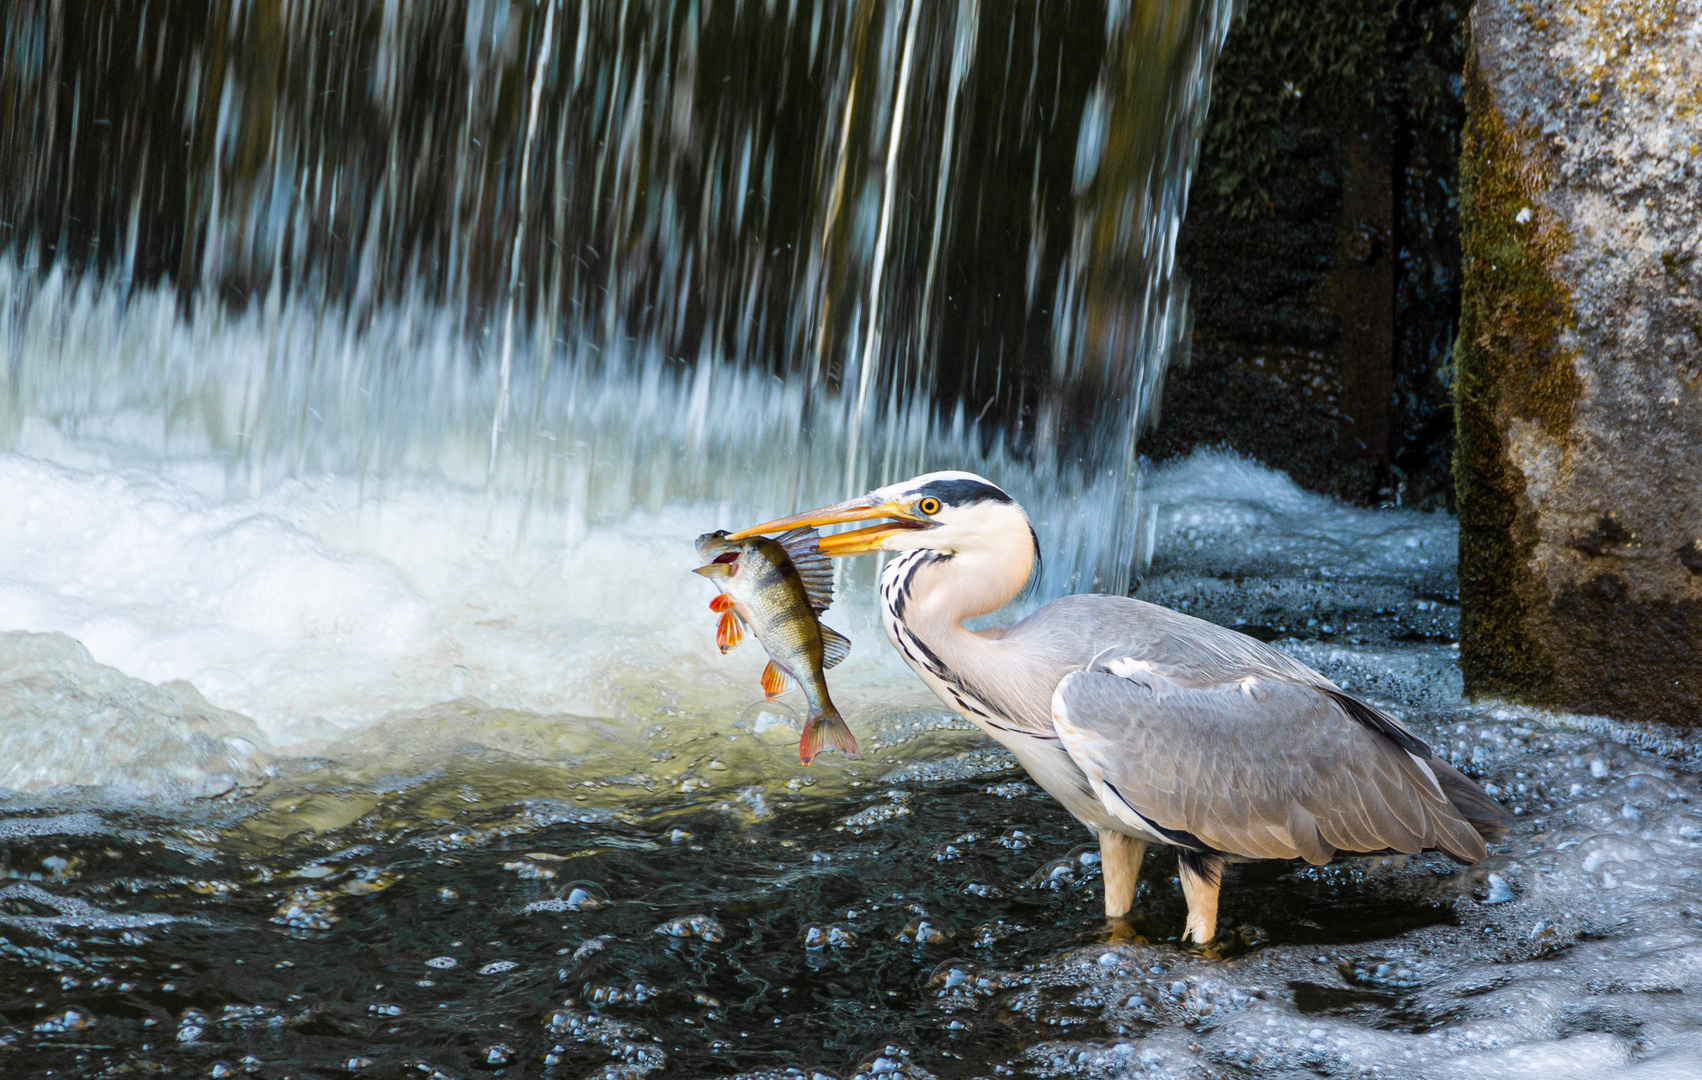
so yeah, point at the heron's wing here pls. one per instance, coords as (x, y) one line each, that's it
(1180, 650)
(1261, 767)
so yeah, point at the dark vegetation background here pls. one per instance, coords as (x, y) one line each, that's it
(1322, 247)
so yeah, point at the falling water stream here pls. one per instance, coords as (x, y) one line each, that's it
(365, 371)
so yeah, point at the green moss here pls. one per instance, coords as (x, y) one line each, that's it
(1510, 365)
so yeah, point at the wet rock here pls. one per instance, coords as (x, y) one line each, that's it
(1579, 359)
(1322, 250)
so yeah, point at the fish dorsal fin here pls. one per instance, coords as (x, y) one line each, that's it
(834, 647)
(803, 547)
(775, 681)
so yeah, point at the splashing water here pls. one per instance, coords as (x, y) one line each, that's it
(610, 255)
(358, 360)
(923, 912)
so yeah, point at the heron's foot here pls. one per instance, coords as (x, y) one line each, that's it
(1120, 866)
(1202, 878)
(1211, 950)
(1122, 931)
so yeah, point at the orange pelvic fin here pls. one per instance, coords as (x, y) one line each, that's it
(775, 681)
(722, 602)
(728, 633)
(825, 732)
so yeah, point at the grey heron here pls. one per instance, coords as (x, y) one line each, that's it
(1148, 725)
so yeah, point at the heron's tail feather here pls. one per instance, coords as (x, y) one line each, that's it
(825, 727)
(1481, 811)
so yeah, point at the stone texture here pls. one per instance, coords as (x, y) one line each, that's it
(1579, 357)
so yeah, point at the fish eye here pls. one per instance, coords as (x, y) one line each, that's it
(929, 505)
(731, 556)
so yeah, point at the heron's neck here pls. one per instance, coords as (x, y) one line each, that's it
(928, 594)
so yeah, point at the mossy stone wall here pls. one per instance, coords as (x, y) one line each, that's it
(1578, 389)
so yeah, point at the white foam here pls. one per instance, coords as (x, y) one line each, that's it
(316, 613)
(226, 631)
(66, 720)
(325, 613)
(1217, 510)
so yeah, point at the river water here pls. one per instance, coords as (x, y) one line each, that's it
(367, 370)
(558, 843)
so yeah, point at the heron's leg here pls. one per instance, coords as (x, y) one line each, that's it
(1202, 876)
(1120, 865)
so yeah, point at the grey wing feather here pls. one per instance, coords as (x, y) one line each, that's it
(1262, 767)
(803, 547)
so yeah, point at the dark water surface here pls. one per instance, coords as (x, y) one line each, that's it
(456, 928)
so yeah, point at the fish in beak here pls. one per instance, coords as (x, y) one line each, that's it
(899, 518)
(778, 589)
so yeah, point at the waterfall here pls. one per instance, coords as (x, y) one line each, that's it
(610, 255)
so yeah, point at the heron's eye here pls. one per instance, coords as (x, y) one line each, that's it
(929, 506)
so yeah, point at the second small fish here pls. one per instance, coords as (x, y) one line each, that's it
(777, 588)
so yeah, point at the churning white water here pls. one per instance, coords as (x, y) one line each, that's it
(159, 514)
(168, 633)
(177, 620)
(353, 476)
(293, 522)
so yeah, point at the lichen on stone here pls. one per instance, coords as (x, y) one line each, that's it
(1624, 46)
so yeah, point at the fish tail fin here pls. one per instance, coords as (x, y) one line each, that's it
(825, 728)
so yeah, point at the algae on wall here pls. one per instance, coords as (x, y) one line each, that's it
(1579, 358)
(1509, 365)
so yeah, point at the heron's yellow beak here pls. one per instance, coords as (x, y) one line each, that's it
(900, 518)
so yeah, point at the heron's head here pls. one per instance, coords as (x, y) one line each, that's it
(958, 514)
